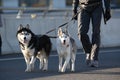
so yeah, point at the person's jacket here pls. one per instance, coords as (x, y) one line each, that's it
(77, 2)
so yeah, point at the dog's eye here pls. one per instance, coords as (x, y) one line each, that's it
(27, 33)
(22, 34)
(61, 36)
(65, 36)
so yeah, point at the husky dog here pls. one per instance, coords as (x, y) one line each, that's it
(66, 48)
(33, 46)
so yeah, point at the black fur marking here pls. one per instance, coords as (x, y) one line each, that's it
(22, 46)
(25, 29)
(41, 42)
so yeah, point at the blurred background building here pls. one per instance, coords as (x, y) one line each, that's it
(46, 3)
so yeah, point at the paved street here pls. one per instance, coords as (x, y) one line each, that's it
(12, 68)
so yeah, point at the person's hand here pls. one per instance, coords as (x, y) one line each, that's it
(74, 15)
(107, 15)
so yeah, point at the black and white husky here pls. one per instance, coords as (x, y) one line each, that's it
(33, 46)
(66, 48)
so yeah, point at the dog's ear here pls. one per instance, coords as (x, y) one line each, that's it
(27, 26)
(60, 32)
(66, 31)
(20, 27)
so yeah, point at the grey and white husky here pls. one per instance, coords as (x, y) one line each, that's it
(33, 46)
(66, 48)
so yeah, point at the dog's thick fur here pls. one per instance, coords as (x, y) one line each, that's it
(66, 48)
(33, 46)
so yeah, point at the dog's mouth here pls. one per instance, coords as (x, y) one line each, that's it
(64, 42)
(25, 41)
(67, 45)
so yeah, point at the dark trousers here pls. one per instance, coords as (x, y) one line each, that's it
(0, 51)
(94, 14)
(0, 45)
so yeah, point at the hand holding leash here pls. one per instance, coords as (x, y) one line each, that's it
(75, 15)
(107, 15)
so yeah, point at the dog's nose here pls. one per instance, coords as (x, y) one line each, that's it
(64, 41)
(24, 37)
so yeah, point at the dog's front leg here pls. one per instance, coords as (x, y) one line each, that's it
(66, 63)
(32, 63)
(60, 63)
(27, 60)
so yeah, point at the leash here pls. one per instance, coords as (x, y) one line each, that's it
(63, 24)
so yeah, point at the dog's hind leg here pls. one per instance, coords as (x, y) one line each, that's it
(41, 63)
(73, 62)
(45, 63)
(68, 66)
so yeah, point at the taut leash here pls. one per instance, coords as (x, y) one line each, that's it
(63, 24)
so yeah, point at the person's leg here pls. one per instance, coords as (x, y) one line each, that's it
(0, 51)
(0, 45)
(96, 34)
(83, 27)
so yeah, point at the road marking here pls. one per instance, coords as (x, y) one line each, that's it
(18, 58)
(8, 59)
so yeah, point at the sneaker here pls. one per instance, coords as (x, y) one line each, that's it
(94, 63)
(87, 58)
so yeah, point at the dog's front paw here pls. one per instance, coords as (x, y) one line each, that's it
(62, 70)
(28, 70)
(72, 70)
(44, 70)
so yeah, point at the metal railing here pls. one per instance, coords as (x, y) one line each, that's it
(35, 9)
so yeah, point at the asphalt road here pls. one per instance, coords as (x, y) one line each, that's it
(12, 68)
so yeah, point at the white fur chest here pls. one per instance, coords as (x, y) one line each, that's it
(28, 51)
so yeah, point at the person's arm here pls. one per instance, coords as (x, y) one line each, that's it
(75, 5)
(107, 10)
(107, 4)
